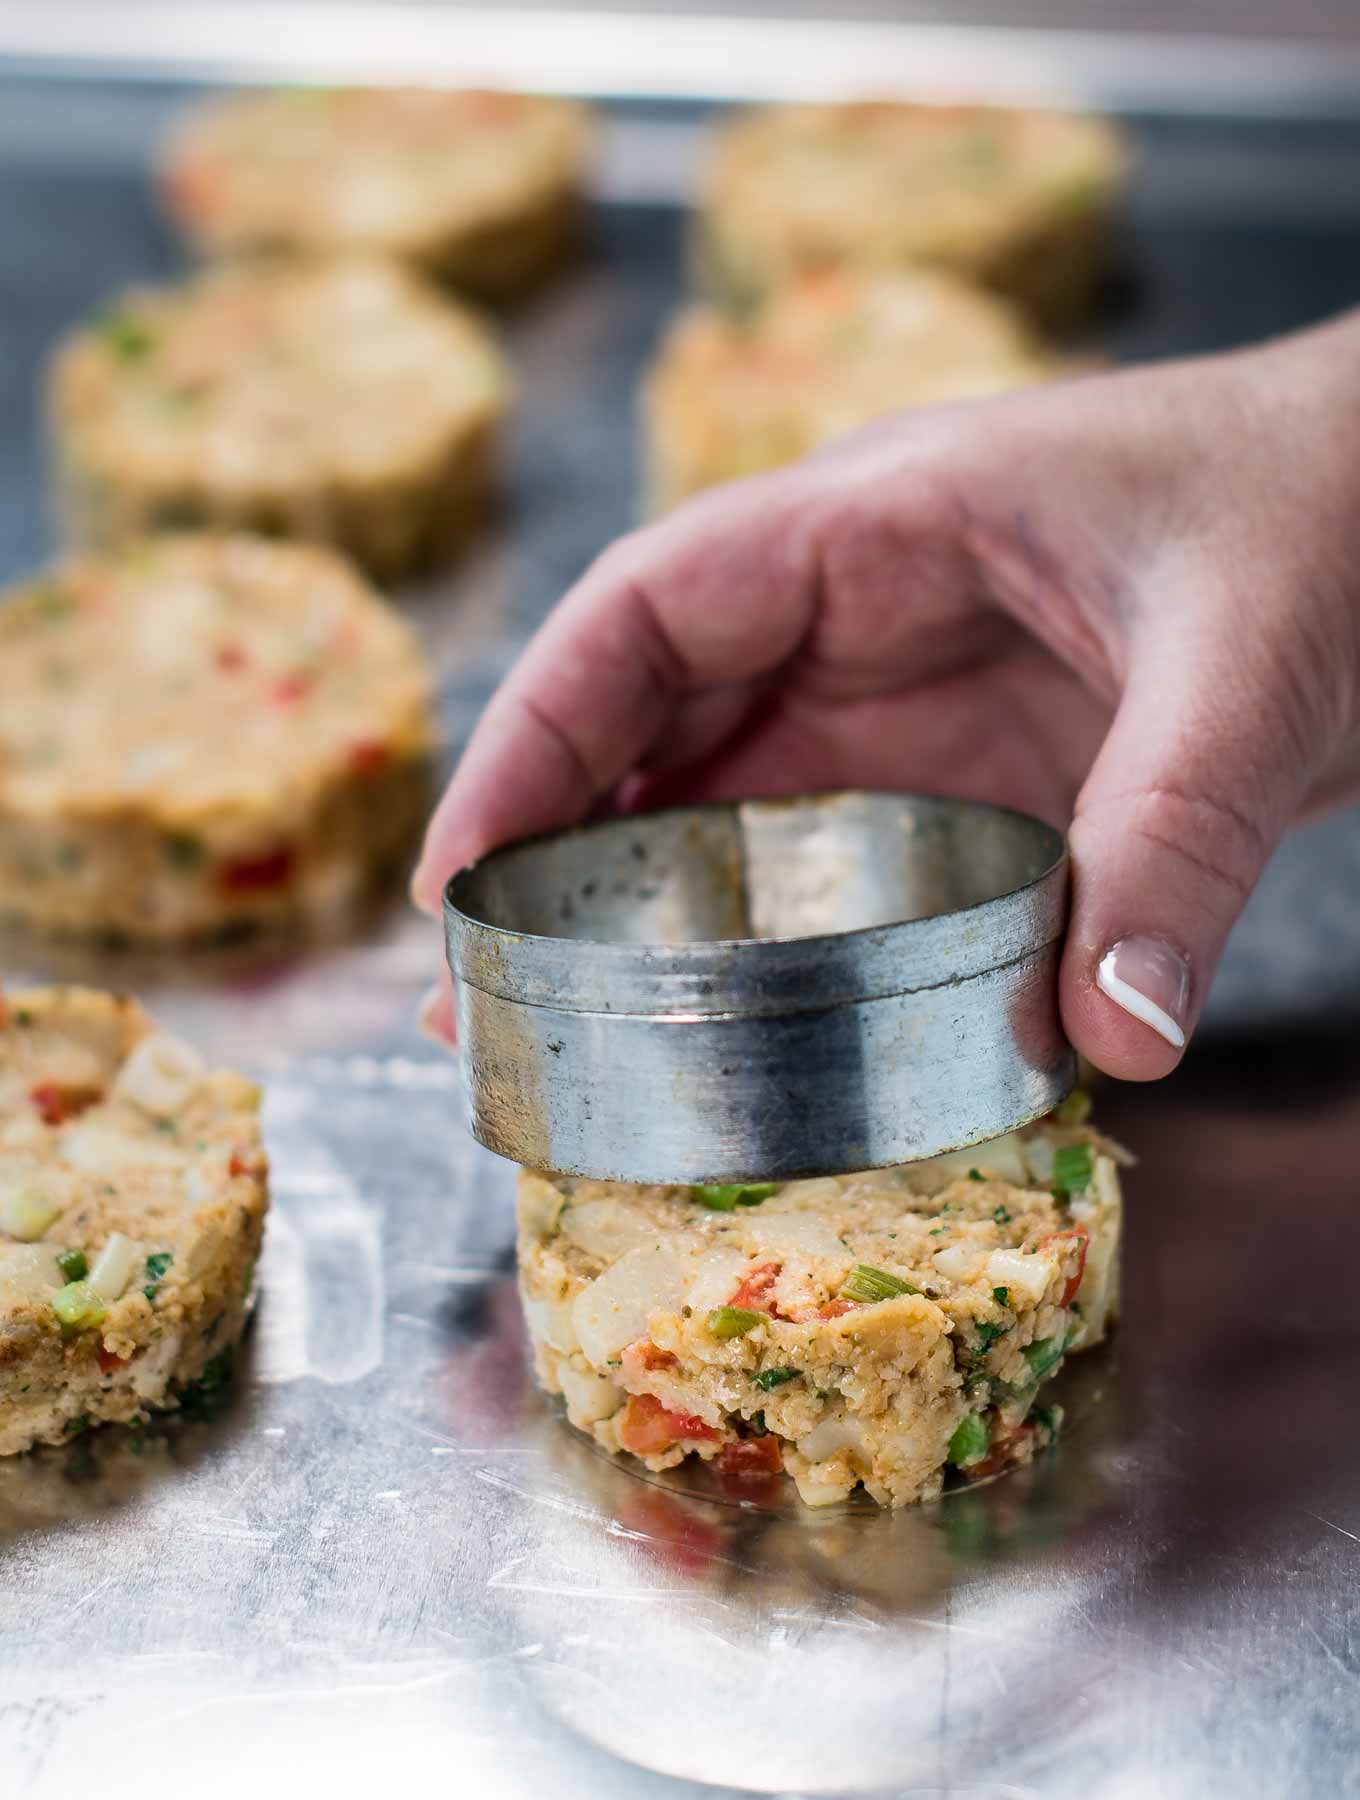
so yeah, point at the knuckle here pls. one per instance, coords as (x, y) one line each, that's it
(1218, 841)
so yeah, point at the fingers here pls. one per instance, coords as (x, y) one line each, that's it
(1190, 795)
(712, 598)
(436, 1016)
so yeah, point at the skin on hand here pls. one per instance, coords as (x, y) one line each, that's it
(1124, 603)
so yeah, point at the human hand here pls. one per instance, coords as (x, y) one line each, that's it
(1126, 602)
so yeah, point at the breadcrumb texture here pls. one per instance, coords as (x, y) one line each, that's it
(1019, 201)
(204, 734)
(482, 189)
(733, 396)
(744, 1336)
(345, 403)
(113, 1128)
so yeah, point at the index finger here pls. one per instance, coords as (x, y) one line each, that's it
(722, 591)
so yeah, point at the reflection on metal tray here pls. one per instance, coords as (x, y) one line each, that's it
(387, 1563)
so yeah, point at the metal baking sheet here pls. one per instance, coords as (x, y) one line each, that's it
(388, 1562)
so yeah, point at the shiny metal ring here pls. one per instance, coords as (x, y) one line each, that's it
(767, 989)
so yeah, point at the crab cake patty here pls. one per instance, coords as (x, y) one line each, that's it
(200, 734)
(345, 403)
(482, 189)
(868, 1329)
(728, 397)
(1017, 200)
(133, 1192)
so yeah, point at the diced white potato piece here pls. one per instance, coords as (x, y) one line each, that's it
(613, 1310)
(100, 1147)
(1039, 1154)
(837, 1432)
(1026, 1273)
(808, 1233)
(551, 1320)
(716, 1275)
(958, 1262)
(540, 1205)
(27, 1272)
(589, 1396)
(26, 1209)
(161, 1074)
(605, 1228)
(114, 1268)
(1001, 1157)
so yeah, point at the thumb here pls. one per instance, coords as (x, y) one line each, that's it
(1192, 791)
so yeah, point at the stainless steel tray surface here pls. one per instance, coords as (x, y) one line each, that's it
(388, 1567)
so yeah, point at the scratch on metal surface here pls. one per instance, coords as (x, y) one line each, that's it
(1327, 1650)
(851, 1621)
(506, 1577)
(447, 1446)
(230, 1531)
(1335, 1527)
(88, 1598)
(574, 1509)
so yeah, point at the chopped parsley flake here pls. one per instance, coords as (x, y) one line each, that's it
(1002, 1296)
(156, 1265)
(1001, 1215)
(773, 1378)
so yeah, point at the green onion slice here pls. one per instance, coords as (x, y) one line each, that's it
(1044, 1356)
(971, 1440)
(1073, 1168)
(727, 1196)
(733, 1321)
(78, 1307)
(73, 1264)
(870, 1285)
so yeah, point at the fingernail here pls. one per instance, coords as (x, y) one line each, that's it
(1150, 980)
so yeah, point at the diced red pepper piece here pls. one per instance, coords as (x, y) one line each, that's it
(837, 1309)
(237, 1166)
(642, 1356)
(258, 874)
(369, 756)
(758, 1456)
(754, 1290)
(59, 1101)
(109, 1363)
(1006, 1448)
(647, 1428)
